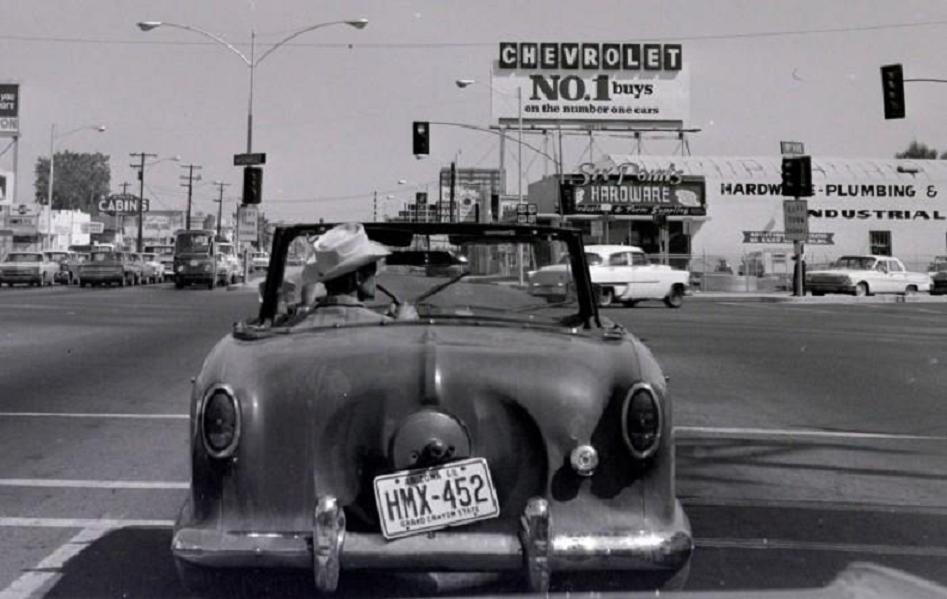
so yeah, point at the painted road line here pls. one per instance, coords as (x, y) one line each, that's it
(91, 484)
(789, 545)
(712, 432)
(92, 523)
(93, 415)
(31, 581)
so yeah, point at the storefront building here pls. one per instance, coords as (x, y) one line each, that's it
(32, 227)
(718, 213)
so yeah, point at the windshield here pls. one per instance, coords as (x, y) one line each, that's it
(160, 250)
(193, 243)
(591, 258)
(446, 276)
(23, 258)
(855, 263)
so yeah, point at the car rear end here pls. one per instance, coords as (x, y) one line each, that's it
(102, 268)
(939, 283)
(567, 470)
(551, 282)
(21, 270)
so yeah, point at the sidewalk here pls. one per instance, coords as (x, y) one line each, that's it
(786, 297)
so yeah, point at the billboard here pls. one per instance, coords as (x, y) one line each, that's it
(591, 82)
(9, 109)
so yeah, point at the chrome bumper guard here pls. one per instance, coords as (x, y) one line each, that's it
(535, 551)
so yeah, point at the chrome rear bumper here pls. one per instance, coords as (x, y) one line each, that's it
(537, 550)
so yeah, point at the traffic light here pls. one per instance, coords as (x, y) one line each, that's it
(797, 176)
(421, 137)
(892, 82)
(252, 185)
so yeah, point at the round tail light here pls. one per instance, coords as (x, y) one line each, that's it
(641, 421)
(220, 422)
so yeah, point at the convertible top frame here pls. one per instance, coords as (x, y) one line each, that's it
(284, 236)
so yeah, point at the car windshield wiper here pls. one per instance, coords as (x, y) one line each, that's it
(437, 289)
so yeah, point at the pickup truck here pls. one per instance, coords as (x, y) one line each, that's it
(867, 275)
(620, 273)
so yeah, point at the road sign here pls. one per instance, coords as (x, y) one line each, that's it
(93, 228)
(796, 219)
(247, 219)
(249, 159)
(792, 148)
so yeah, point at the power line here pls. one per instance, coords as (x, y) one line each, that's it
(427, 45)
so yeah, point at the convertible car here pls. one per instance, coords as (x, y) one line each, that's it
(468, 426)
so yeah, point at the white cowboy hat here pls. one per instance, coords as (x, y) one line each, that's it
(342, 249)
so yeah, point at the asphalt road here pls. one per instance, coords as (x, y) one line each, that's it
(809, 436)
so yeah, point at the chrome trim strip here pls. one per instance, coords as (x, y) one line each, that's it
(232, 447)
(641, 455)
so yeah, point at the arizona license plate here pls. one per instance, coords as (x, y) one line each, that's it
(413, 501)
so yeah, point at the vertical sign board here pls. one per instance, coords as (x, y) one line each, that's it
(247, 223)
(796, 220)
(9, 109)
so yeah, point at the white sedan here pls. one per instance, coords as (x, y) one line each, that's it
(867, 275)
(622, 273)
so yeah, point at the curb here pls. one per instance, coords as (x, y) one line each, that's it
(824, 300)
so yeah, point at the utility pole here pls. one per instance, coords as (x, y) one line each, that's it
(121, 217)
(220, 203)
(191, 177)
(374, 206)
(141, 193)
(453, 184)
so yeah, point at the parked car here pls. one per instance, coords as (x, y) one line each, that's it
(165, 255)
(621, 273)
(867, 275)
(110, 267)
(28, 268)
(459, 426)
(59, 257)
(152, 270)
(260, 261)
(938, 273)
(71, 267)
(229, 266)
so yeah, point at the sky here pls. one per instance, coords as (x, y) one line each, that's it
(333, 108)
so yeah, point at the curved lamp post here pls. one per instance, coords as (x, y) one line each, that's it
(251, 61)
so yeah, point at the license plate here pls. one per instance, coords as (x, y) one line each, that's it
(413, 501)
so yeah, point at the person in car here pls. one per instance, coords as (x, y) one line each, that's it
(346, 262)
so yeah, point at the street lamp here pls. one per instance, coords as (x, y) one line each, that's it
(52, 168)
(252, 62)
